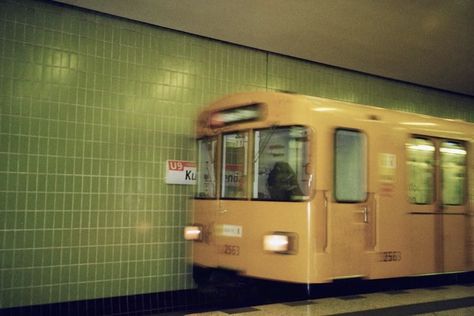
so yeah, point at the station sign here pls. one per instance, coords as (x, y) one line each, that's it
(180, 172)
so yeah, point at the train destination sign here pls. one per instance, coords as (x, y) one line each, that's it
(245, 113)
(180, 172)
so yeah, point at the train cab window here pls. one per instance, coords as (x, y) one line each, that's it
(420, 166)
(350, 166)
(453, 172)
(206, 175)
(234, 165)
(280, 164)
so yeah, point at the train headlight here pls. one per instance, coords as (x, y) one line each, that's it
(280, 242)
(193, 232)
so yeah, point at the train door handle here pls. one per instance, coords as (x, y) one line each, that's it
(365, 210)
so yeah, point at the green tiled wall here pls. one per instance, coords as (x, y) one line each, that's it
(91, 108)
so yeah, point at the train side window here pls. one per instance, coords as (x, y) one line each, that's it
(206, 175)
(420, 166)
(350, 166)
(280, 164)
(234, 164)
(453, 172)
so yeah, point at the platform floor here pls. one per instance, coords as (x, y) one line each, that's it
(443, 300)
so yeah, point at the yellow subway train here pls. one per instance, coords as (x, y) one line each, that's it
(308, 190)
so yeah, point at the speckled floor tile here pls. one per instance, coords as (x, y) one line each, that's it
(367, 302)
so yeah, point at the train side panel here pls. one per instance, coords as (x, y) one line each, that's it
(383, 233)
(402, 238)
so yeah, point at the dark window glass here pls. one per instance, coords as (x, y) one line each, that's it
(280, 164)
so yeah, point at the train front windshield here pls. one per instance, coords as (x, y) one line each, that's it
(275, 169)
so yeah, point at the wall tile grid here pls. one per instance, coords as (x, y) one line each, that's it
(91, 108)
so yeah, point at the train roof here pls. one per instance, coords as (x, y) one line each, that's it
(342, 111)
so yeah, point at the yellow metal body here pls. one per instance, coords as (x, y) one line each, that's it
(384, 236)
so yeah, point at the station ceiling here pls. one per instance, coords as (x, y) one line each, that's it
(428, 42)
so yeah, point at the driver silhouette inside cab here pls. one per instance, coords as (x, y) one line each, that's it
(282, 183)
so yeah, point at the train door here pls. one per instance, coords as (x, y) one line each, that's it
(351, 210)
(437, 193)
(231, 217)
(454, 204)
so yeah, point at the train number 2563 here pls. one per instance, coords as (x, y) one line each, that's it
(389, 256)
(231, 250)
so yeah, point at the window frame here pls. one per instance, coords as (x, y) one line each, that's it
(465, 196)
(217, 174)
(221, 169)
(437, 173)
(366, 166)
(309, 131)
(434, 171)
